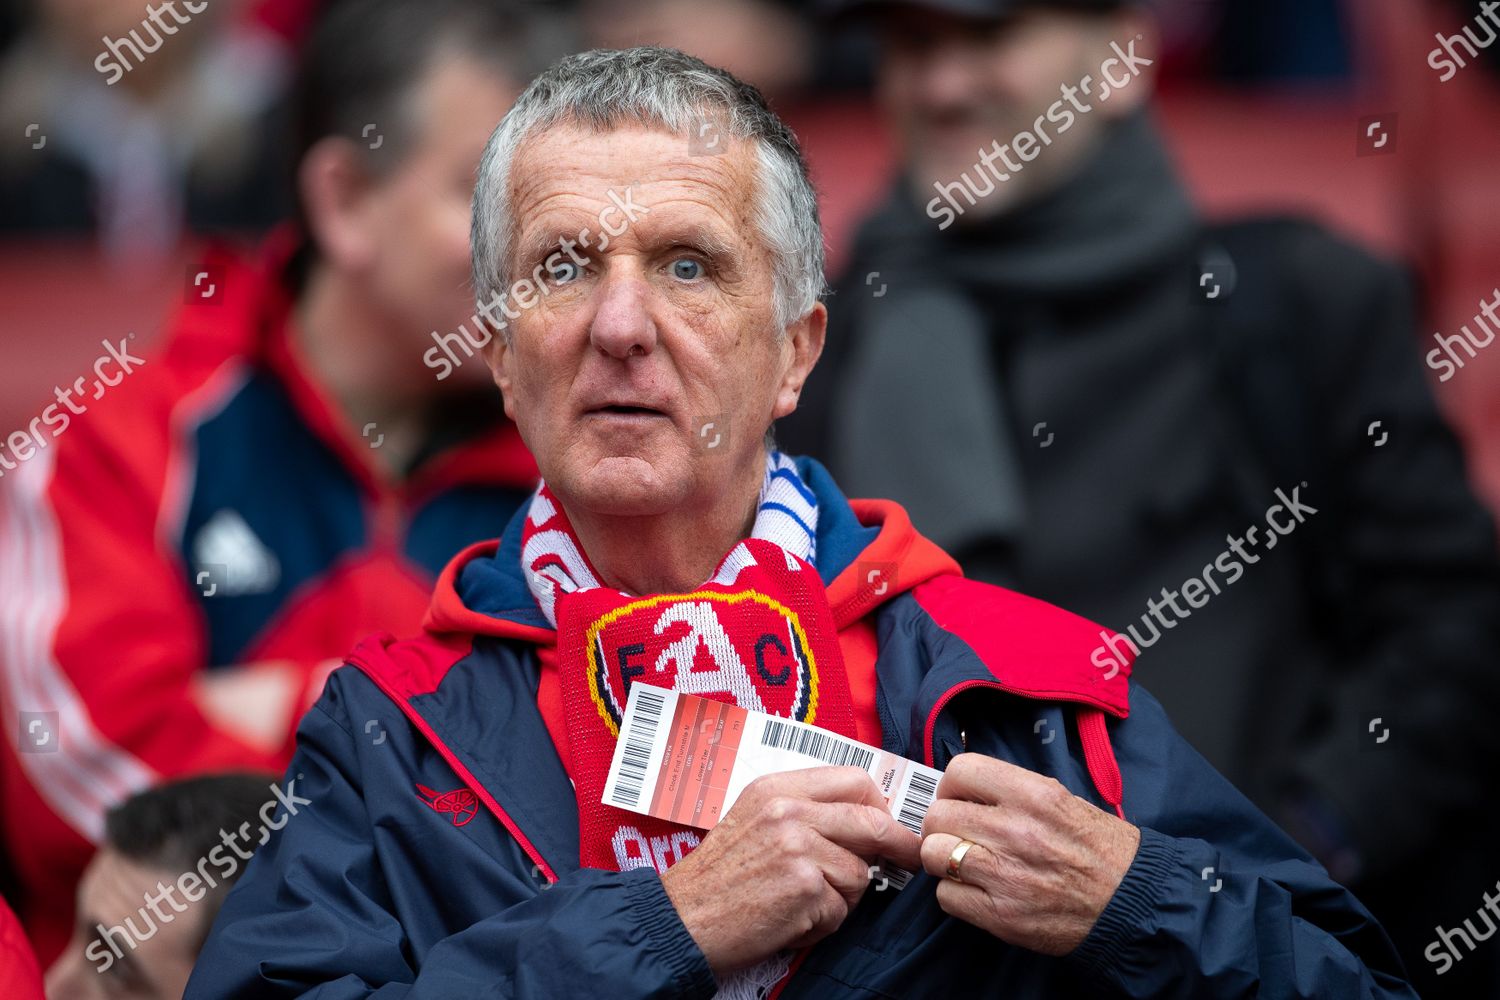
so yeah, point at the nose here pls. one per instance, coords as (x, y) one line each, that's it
(622, 325)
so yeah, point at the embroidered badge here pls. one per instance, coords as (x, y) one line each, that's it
(460, 803)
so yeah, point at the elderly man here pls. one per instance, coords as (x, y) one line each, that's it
(456, 843)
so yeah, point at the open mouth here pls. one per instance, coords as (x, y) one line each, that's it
(627, 411)
(643, 411)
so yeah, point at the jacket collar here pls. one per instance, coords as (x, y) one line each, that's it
(253, 316)
(868, 553)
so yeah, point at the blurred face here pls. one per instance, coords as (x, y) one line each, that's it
(953, 86)
(82, 25)
(612, 374)
(416, 218)
(112, 889)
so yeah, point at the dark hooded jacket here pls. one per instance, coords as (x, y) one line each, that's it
(439, 854)
(1090, 397)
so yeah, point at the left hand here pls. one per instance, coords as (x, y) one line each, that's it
(1044, 863)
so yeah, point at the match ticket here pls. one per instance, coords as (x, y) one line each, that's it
(686, 759)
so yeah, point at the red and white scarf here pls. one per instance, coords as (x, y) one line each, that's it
(759, 634)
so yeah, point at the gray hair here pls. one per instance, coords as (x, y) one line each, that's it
(606, 89)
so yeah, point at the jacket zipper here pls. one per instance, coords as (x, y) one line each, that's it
(1098, 754)
(929, 741)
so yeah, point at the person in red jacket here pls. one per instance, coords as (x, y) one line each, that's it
(18, 970)
(212, 526)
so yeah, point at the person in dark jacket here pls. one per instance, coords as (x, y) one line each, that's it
(1080, 388)
(456, 842)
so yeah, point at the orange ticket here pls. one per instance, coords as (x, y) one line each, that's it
(686, 759)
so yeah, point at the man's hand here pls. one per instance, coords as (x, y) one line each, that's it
(786, 864)
(1044, 862)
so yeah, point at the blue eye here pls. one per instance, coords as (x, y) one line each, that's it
(565, 271)
(687, 269)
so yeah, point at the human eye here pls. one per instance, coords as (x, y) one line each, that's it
(687, 268)
(565, 272)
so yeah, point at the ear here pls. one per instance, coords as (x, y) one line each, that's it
(501, 356)
(804, 339)
(334, 186)
(1136, 26)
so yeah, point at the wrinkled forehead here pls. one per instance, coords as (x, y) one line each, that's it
(563, 174)
(115, 887)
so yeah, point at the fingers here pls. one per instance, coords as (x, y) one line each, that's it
(977, 778)
(846, 873)
(823, 784)
(939, 847)
(828, 915)
(865, 830)
(968, 903)
(966, 819)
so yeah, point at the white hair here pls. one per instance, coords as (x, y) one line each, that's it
(658, 87)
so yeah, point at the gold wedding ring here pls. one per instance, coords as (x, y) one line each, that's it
(957, 858)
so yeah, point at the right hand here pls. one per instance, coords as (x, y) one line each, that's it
(786, 864)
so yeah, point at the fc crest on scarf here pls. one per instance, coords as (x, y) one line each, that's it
(743, 646)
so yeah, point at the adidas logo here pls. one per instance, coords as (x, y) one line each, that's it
(229, 561)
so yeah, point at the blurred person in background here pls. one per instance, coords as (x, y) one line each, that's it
(146, 121)
(155, 847)
(1085, 391)
(768, 43)
(184, 563)
(18, 969)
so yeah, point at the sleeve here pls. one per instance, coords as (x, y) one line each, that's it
(18, 966)
(101, 625)
(1218, 901)
(1421, 615)
(313, 916)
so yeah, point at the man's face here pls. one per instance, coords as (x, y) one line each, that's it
(953, 86)
(613, 374)
(418, 214)
(112, 889)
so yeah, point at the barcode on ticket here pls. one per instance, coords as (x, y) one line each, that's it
(637, 753)
(910, 811)
(918, 800)
(686, 759)
(816, 743)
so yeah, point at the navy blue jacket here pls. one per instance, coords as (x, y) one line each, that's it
(439, 855)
